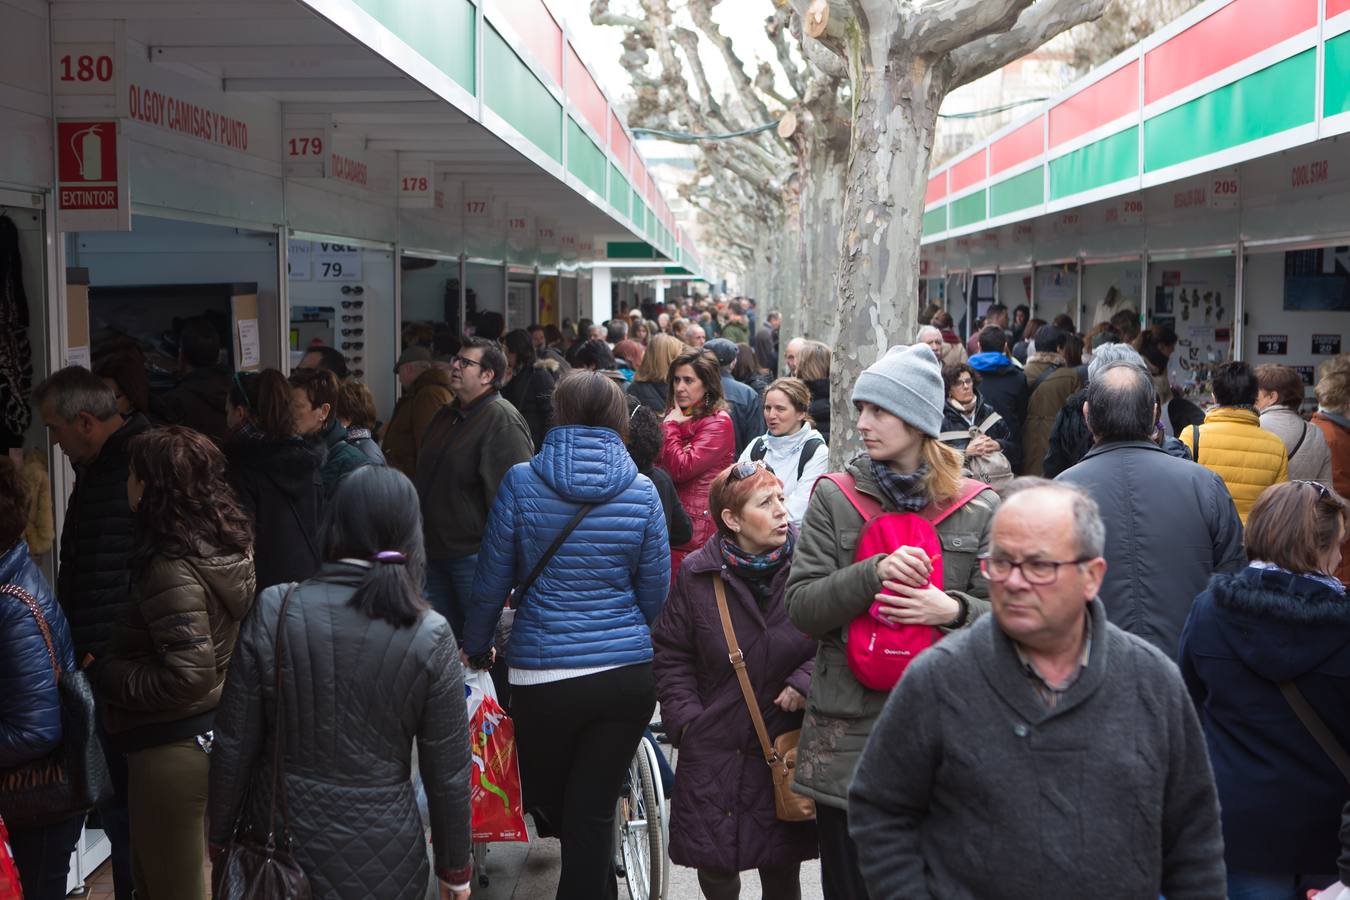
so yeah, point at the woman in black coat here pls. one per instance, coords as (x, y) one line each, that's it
(965, 411)
(644, 445)
(1255, 642)
(533, 380)
(277, 475)
(368, 670)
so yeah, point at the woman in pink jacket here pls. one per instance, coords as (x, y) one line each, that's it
(699, 441)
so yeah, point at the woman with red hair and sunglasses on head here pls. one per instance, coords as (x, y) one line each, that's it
(699, 442)
(1265, 654)
(723, 818)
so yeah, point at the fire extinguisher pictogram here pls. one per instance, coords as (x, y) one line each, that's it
(87, 145)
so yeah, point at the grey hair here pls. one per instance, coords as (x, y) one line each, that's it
(924, 330)
(74, 390)
(1108, 354)
(1089, 529)
(1122, 409)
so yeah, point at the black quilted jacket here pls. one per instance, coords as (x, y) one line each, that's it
(357, 694)
(93, 582)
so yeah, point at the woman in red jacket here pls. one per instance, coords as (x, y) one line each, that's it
(699, 441)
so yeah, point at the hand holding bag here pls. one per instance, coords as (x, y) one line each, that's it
(268, 871)
(73, 778)
(781, 754)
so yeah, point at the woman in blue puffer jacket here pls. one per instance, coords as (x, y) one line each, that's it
(582, 689)
(30, 708)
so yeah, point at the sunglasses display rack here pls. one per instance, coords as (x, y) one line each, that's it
(351, 330)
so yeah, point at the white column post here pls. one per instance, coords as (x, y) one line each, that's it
(602, 303)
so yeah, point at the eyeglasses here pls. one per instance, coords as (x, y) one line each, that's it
(353, 289)
(353, 345)
(464, 361)
(353, 332)
(747, 467)
(965, 382)
(353, 304)
(1035, 571)
(1322, 491)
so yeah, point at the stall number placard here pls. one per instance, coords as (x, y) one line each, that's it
(1306, 373)
(336, 262)
(1272, 345)
(1326, 344)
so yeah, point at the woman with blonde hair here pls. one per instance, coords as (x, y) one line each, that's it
(905, 468)
(649, 381)
(813, 368)
(791, 446)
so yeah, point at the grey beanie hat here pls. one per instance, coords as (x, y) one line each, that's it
(907, 383)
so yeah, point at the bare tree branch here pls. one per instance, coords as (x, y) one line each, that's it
(701, 12)
(1038, 24)
(939, 28)
(776, 27)
(764, 83)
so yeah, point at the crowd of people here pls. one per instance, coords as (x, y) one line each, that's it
(1129, 635)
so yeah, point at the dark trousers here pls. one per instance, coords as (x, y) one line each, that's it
(775, 882)
(115, 820)
(840, 876)
(575, 739)
(449, 583)
(42, 856)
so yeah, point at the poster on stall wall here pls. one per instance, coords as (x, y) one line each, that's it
(247, 340)
(1194, 297)
(77, 318)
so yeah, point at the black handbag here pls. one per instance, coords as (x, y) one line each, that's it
(249, 869)
(71, 780)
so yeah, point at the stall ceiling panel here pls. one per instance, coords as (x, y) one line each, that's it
(1108, 100)
(520, 98)
(619, 141)
(619, 193)
(440, 30)
(584, 159)
(1020, 145)
(539, 31)
(585, 94)
(937, 188)
(1016, 193)
(1234, 33)
(968, 210)
(935, 220)
(1275, 99)
(1336, 7)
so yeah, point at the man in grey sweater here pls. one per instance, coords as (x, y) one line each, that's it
(1043, 752)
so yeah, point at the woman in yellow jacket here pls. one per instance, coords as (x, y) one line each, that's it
(1232, 444)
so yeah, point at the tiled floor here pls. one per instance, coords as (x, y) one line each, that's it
(100, 885)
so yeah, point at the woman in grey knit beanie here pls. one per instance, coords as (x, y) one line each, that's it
(905, 468)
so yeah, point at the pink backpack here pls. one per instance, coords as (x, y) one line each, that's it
(878, 652)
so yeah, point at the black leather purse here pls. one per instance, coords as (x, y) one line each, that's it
(71, 780)
(266, 870)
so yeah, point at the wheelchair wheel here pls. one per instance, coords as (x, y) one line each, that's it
(641, 821)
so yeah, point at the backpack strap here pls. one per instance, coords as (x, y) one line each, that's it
(808, 450)
(1050, 370)
(758, 449)
(970, 489)
(1195, 442)
(992, 420)
(867, 507)
(1301, 438)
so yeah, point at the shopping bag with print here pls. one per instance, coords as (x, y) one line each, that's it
(498, 809)
(10, 889)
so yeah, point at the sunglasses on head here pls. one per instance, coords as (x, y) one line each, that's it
(747, 467)
(1322, 491)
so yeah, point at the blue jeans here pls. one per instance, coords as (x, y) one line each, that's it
(1265, 886)
(449, 584)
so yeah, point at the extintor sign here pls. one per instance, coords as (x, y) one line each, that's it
(91, 177)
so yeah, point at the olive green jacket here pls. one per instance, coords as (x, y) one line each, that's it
(827, 590)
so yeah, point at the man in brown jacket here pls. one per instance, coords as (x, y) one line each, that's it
(1051, 380)
(426, 388)
(466, 452)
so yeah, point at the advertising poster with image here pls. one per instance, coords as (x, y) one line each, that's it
(1195, 299)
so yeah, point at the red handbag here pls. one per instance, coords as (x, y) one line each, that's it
(879, 651)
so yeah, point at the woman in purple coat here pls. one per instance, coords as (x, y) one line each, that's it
(722, 817)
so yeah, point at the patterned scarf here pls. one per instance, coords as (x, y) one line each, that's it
(755, 564)
(1325, 580)
(906, 492)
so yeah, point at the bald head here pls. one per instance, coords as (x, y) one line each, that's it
(1067, 513)
(793, 350)
(1121, 404)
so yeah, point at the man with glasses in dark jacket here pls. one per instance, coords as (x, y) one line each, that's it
(93, 582)
(467, 450)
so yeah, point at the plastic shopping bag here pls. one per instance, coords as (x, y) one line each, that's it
(495, 796)
(10, 888)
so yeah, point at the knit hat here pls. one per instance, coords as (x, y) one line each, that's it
(907, 383)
